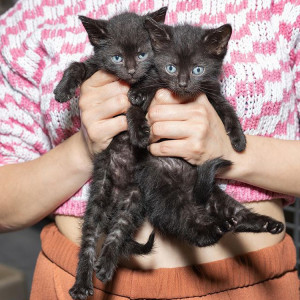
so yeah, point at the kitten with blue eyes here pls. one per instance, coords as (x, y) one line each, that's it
(182, 200)
(122, 48)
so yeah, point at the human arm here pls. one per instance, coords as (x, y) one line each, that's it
(196, 134)
(33, 189)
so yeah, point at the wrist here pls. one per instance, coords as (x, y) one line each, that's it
(241, 165)
(80, 157)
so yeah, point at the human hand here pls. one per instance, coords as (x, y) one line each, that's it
(102, 99)
(193, 129)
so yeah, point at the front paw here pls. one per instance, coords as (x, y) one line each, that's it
(104, 269)
(238, 140)
(64, 91)
(136, 97)
(138, 128)
(81, 291)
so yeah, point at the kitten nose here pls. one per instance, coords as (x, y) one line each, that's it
(182, 84)
(131, 71)
(183, 80)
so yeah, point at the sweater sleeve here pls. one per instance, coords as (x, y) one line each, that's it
(23, 135)
(296, 71)
(295, 61)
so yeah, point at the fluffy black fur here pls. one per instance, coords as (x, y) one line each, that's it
(182, 200)
(121, 47)
(128, 183)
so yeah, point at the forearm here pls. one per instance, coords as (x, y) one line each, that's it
(268, 163)
(33, 189)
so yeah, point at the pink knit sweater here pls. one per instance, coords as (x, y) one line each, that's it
(39, 39)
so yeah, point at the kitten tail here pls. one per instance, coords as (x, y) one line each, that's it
(206, 178)
(136, 248)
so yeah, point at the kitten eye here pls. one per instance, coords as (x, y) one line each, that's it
(117, 59)
(198, 70)
(142, 56)
(171, 69)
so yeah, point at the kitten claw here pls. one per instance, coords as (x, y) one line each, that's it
(230, 223)
(219, 230)
(274, 227)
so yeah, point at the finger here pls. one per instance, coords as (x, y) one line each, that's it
(106, 129)
(114, 126)
(164, 96)
(107, 109)
(171, 130)
(176, 112)
(100, 78)
(173, 148)
(97, 95)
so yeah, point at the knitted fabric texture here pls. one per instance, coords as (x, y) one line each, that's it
(40, 38)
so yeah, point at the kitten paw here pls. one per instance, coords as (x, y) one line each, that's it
(239, 143)
(227, 225)
(81, 292)
(64, 91)
(63, 97)
(104, 269)
(230, 224)
(136, 97)
(273, 227)
(252, 222)
(209, 236)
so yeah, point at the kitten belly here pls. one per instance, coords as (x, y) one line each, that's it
(171, 178)
(175, 171)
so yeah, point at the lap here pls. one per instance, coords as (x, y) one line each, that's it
(265, 274)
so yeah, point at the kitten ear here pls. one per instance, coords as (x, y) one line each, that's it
(158, 34)
(159, 15)
(96, 29)
(217, 40)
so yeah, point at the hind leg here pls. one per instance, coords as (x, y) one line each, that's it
(83, 286)
(222, 205)
(95, 219)
(124, 225)
(185, 220)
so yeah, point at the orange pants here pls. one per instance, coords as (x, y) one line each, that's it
(261, 275)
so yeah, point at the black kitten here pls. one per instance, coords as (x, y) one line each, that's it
(121, 47)
(180, 199)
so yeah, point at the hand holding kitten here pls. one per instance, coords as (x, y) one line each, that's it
(193, 129)
(103, 100)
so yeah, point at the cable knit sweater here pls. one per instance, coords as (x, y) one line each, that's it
(40, 38)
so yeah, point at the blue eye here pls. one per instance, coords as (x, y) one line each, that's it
(198, 70)
(142, 56)
(117, 59)
(171, 69)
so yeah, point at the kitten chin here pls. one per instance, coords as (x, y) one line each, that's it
(185, 95)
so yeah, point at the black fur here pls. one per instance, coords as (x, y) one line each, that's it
(128, 183)
(114, 206)
(180, 199)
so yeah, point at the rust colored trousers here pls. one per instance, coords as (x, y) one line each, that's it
(261, 275)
